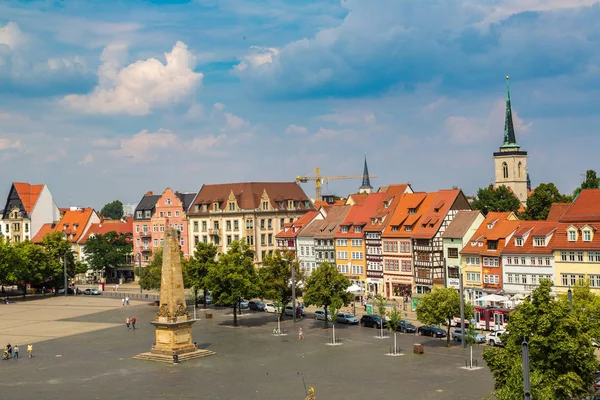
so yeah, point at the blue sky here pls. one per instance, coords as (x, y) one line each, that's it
(109, 99)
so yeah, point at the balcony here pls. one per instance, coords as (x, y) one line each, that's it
(423, 248)
(214, 232)
(146, 249)
(146, 234)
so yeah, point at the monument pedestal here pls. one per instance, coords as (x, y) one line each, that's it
(173, 338)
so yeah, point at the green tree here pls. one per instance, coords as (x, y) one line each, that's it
(57, 248)
(113, 210)
(539, 202)
(150, 275)
(197, 269)
(496, 199)
(561, 356)
(9, 275)
(380, 305)
(441, 306)
(326, 285)
(233, 277)
(275, 277)
(108, 251)
(393, 323)
(591, 181)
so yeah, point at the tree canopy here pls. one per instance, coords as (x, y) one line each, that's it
(275, 277)
(561, 356)
(442, 305)
(107, 251)
(496, 199)
(113, 210)
(197, 268)
(325, 286)
(591, 181)
(150, 275)
(233, 277)
(539, 202)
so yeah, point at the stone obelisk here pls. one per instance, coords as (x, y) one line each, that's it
(172, 322)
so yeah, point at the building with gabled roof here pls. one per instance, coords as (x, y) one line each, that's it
(142, 223)
(585, 208)
(482, 263)
(301, 235)
(324, 234)
(557, 210)
(260, 210)
(104, 226)
(27, 208)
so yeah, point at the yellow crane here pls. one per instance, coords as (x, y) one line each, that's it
(319, 180)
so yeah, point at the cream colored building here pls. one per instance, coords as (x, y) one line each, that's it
(250, 211)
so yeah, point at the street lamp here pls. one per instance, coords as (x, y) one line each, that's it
(65, 269)
(139, 254)
(526, 380)
(293, 289)
(462, 308)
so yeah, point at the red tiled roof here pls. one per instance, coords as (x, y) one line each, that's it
(586, 207)
(292, 230)
(332, 221)
(557, 210)
(107, 226)
(44, 230)
(360, 214)
(561, 241)
(402, 217)
(248, 195)
(28, 194)
(502, 228)
(79, 217)
(435, 214)
(532, 229)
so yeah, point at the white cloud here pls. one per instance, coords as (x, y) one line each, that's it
(349, 117)
(294, 129)
(219, 106)
(6, 144)
(467, 130)
(195, 112)
(87, 159)
(143, 146)
(11, 35)
(258, 56)
(498, 11)
(234, 122)
(204, 144)
(140, 87)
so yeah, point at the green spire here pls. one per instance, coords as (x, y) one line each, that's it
(509, 129)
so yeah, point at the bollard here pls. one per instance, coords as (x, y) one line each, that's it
(175, 358)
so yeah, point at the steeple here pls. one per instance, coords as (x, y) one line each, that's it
(366, 181)
(510, 141)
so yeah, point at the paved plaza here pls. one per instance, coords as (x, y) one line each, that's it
(83, 350)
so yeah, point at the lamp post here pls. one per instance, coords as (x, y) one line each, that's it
(139, 254)
(293, 289)
(462, 308)
(526, 381)
(65, 270)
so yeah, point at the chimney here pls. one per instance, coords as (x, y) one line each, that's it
(149, 193)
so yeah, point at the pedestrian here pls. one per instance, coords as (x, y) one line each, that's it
(117, 287)
(114, 288)
(127, 322)
(133, 320)
(127, 300)
(30, 350)
(16, 351)
(123, 301)
(9, 349)
(300, 333)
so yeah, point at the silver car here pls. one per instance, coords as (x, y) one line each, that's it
(346, 318)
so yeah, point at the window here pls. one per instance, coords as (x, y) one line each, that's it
(231, 206)
(472, 260)
(137, 228)
(490, 261)
(408, 228)
(587, 236)
(571, 279)
(509, 261)
(342, 242)
(356, 242)
(344, 229)
(572, 236)
(195, 226)
(155, 242)
(594, 256)
(263, 239)
(262, 224)
(406, 265)
(357, 255)
(342, 255)
(492, 245)
(204, 207)
(523, 261)
(452, 252)
(27, 227)
(236, 225)
(539, 241)
(358, 269)
(594, 281)
(228, 240)
(580, 256)
(138, 214)
(270, 239)
(563, 256)
(491, 279)
(358, 229)
(473, 277)
(205, 239)
(228, 225)
(177, 213)
(236, 237)
(203, 226)
(390, 246)
(196, 240)
(524, 279)
(404, 247)
(250, 224)
(395, 228)
(281, 223)
(519, 168)
(250, 240)
(145, 228)
(571, 256)
(181, 242)
(547, 260)
(269, 223)
(343, 268)
(168, 213)
(168, 202)
(518, 242)
(412, 210)
(392, 265)
(147, 214)
(505, 170)
(331, 255)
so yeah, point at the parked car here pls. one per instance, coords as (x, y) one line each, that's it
(70, 291)
(494, 338)
(430, 330)
(289, 310)
(371, 321)
(346, 318)
(91, 292)
(320, 315)
(270, 308)
(406, 327)
(458, 334)
(243, 303)
(209, 299)
(256, 305)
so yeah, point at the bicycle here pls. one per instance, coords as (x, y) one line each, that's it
(276, 331)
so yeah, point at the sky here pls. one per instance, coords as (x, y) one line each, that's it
(105, 100)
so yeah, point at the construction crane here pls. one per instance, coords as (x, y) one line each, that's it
(319, 180)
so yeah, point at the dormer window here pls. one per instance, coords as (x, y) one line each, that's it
(296, 204)
(196, 208)
(395, 228)
(290, 204)
(358, 229)
(75, 227)
(493, 244)
(231, 206)
(386, 204)
(147, 214)
(587, 235)
(138, 214)
(519, 242)
(373, 221)
(306, 204)
(412, 210)
(204, 207)
(572, 236)
(65, 226)
(344, 229)
(408, 228)
(215, 206)
(280, 204)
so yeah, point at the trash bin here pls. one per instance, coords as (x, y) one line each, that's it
(418, 348)
(208, 315)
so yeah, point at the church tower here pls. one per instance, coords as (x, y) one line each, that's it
(510, 161)
(366, 181)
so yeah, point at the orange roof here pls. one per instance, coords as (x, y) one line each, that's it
(585, 208)
(557, 210)
(330, 224)
(434, 216)
(402, 214)
(528, 230)
(495, 227)
(292, 230)
(44, 230)
(360, 213)
(107, 226)
(561, 241)
(72, 224)
(28, 194)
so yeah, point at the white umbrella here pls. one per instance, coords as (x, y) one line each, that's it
(493, 298)
(354, 289)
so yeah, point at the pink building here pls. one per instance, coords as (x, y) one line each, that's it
(153, 215)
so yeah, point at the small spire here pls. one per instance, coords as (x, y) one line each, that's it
(366, 181)
(509, 129)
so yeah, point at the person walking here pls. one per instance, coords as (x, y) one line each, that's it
(117, 287)
(127, 300)
(9, 349)
(30, 350)
(123, 301)
(133, 321)
(127, 322)
(16, 352)
(300, 333)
